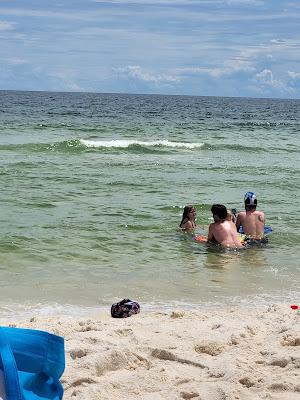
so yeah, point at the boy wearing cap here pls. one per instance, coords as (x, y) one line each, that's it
(252, 221)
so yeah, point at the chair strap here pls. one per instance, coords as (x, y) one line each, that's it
(11, 377)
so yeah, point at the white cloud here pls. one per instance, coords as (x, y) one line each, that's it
(182, 2)
(294, 75)
(293, 5)
(136, 72)
(66, 80)
(160, 2)
(191, 71)
(230, 67)
(6, 25)
(170, 45)
(265, 77)
(241, 2)
(213, 72)
(14, 61)
(278, 41)
(273, 53)
(23, 12)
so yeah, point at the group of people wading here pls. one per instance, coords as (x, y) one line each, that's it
(226, 226)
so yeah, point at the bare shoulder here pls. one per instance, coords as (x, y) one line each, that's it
(187, 225)
(241, 215)
(261, 216)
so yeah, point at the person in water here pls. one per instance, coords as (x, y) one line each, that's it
(188, 221)
(252, 220)
(231, 215)
(222, 230)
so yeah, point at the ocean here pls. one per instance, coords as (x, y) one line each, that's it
(93, 188)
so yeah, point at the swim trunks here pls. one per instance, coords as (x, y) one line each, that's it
(249, 241)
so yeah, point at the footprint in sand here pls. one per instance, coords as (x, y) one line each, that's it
(177, 314)
(246, 381)
(211, 348)
(291, 340)
(189, 395)
(162, 354)
(124, 332)
(216, 373)
(78, 353)
(83, 380)
(280, 387)
(280, 362)
(89, 325)
(115, 360)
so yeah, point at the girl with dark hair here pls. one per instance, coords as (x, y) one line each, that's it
(188, 221)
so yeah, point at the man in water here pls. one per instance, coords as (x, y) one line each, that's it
(223, 231)
(252, 220)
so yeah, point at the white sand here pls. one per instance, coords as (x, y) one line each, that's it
(217, 354)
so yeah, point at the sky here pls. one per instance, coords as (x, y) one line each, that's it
(248, 48)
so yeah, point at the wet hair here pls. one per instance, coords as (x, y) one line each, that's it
(220, 210)
(250, 201)
(185, 214)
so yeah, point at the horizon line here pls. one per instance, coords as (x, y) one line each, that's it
(150, 94)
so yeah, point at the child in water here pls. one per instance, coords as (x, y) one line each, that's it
(231, 215)
(188, 221)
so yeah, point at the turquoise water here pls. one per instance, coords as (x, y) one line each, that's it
(93, 186)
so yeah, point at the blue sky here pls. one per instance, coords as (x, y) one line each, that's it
(194, 47)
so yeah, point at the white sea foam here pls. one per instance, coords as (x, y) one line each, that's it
(127, 143)
(24, 311)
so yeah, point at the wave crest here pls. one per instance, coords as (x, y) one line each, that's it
(128, 143)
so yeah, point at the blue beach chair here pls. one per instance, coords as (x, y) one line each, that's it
(32, 362)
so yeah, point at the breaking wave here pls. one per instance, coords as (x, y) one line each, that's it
(128, 143)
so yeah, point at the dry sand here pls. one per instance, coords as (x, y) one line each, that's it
(214, 354)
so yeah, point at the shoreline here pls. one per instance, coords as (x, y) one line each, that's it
(228, 352)
(15, 311)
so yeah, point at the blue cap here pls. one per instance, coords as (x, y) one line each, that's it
(250, 198)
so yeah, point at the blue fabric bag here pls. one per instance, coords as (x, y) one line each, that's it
(32, 362)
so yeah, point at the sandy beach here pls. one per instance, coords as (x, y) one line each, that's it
(213, 354)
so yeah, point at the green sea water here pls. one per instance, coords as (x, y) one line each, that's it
(93, 187)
